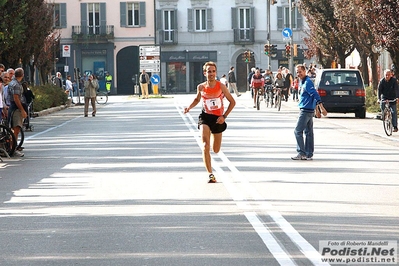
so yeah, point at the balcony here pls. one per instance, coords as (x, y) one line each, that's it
(168, 37)
(92, 34)
(244, 36)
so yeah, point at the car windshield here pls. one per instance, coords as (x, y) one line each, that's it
(341, 78)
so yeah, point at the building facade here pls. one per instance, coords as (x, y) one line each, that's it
(106, 36)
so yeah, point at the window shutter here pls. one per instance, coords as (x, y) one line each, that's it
(234, 20)
(123, 14)
(159, 19)
(174, 26)
(209, 20)
(299, 20)
(279, 18)
(142, 14)
(252, 11)
(103, 19)
(294, 18)
(83, 17)
(190, 20)
(63, 17)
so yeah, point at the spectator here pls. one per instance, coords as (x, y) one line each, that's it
(232, 82)
(91, 87)
(69, 87)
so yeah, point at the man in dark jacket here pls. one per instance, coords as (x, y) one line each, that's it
(232, 82)
(388, 89)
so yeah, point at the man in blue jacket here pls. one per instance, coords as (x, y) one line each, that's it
(308, 100)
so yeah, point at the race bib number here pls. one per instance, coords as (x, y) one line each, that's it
(213, 104)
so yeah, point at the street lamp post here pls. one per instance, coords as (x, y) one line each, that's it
(291, 59)
(268, 32)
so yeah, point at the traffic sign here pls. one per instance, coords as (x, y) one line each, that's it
(287, 33)
(150, 58)
(66, 51)
(155, 79)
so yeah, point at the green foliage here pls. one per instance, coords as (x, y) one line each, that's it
(47, 96)
(372, 105)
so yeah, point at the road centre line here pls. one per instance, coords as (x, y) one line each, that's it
(263, 231)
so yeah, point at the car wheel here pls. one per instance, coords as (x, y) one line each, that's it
(361, 113)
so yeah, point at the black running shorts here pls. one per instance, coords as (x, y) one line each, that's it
(210, 120)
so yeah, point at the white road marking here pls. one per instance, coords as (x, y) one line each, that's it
(262, 230)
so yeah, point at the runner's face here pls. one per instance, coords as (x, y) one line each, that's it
(210, 73)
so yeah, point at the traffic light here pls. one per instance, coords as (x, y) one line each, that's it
(288, 50)
(267, 49)
(273, 50)
(246, 56)
(296, 50)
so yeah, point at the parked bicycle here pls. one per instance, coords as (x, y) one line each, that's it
(102, 97)
(8, 143)
(387, 115)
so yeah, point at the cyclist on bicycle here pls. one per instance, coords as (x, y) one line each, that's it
(268, 76)
(279, 83)
(388, 89)
(257, 83)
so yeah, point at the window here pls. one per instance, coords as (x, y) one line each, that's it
(283, 18)
(244, 23)
(133, 14)
(169, 24)
(93, 16)
(199, 19)
(59, 15)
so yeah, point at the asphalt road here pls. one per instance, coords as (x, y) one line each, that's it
(128, 187)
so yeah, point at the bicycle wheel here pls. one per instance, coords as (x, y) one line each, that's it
(257, 101)
(7, 140)
(278, 102)
(387, 120)
(21, 138)
(102, 98)
(270, 100)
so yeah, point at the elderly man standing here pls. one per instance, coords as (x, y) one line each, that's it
(144, 81)
(16, 112)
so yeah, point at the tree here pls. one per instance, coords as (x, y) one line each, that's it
(39, 18)
(326, 39)
(13, 28)
(385, 27)
(24, 28)
(358, 26)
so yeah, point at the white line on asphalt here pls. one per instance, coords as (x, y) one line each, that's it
(50, 129)
(305, 247)
(264, 233)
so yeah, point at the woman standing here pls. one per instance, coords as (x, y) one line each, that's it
(91, 87)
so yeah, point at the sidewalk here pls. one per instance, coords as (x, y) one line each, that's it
(370, 127)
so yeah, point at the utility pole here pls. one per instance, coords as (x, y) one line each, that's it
(291, 59)
(268, 32)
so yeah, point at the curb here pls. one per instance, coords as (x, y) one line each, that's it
(51, 110)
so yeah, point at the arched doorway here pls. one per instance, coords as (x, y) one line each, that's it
(242, 70)
(127, 66)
